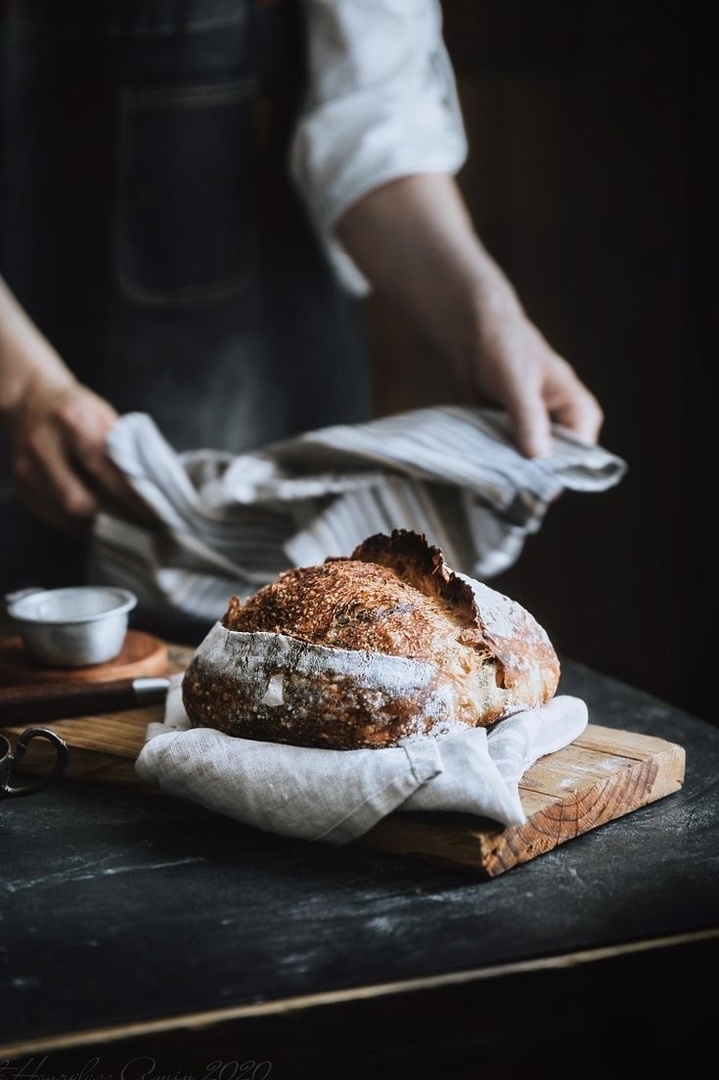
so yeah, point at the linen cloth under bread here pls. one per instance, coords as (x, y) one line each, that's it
(337, 795)
(224, 524)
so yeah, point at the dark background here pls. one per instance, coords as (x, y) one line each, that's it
(582, 182)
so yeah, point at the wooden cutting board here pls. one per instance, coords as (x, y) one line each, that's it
(141, 654)
(601, 776)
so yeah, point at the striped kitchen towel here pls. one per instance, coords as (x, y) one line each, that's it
(224, 524)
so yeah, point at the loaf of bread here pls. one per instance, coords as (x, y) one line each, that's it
(368, 650)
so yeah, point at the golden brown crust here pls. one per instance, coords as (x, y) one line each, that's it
(474, 655)
(352, 605)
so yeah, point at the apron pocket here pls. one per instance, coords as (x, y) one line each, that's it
(186, 174)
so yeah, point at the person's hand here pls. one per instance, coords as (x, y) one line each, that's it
(57, 429)
(414, 241)
(512, 365)
(61, 467)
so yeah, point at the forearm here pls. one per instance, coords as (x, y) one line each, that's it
(27, 359)
(414, 241)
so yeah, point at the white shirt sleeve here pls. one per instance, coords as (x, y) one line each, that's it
(381, 103)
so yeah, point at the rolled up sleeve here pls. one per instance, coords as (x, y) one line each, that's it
(381, 103)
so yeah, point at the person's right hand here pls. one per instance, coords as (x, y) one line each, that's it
(61, 467)
(57, 429)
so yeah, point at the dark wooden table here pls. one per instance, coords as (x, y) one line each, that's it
(145, 937)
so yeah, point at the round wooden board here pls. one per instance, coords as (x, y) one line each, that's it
(142, 654)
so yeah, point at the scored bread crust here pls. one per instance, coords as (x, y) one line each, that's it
(363, 651)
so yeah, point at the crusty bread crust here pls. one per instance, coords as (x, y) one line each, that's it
(367, 650)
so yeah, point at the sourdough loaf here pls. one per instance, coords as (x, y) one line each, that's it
(367, 650)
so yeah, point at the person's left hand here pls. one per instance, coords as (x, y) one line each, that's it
(514, 366)
(414, 241)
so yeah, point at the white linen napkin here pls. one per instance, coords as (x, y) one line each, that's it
(337, 795)
(225, 524)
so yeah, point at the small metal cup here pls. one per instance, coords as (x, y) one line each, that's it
(72, 627)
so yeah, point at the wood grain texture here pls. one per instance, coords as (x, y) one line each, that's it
(603, 775)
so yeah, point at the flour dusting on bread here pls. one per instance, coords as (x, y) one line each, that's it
(367, 650)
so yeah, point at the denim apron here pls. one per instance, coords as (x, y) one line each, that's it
(148, 226)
